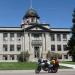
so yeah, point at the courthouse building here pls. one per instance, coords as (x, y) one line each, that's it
(33, 36)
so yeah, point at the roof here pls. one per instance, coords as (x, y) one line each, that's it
(54, 30)
(31, 13)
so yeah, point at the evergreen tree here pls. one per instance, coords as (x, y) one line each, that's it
(71, 42)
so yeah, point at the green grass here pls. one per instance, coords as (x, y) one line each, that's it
(68, 62)
(20, 66)
(17, 66)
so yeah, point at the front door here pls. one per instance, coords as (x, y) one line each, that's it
(36, 52)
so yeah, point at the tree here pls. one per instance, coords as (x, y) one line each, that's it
(51, 55)
(23, 56)
(71, 42)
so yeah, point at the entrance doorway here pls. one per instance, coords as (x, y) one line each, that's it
(36, 52)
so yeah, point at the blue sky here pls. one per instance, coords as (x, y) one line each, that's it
(57, 13)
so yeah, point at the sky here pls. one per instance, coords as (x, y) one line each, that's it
(56, 13)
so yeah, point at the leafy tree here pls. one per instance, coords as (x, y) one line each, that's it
(71, 42)
(23, 56)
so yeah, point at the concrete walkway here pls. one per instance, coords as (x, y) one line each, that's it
(26, 71)
(68, 65)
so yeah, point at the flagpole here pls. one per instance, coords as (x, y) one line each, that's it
(30, 3)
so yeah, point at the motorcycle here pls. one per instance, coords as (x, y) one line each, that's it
(45, 66)
(53, 69)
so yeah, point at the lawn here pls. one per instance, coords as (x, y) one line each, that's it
(20, 66)
(68, 62)
(17, 66)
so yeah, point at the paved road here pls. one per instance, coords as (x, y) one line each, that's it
(24, 72)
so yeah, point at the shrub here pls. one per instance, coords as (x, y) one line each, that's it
(51, 55)
(23, 56)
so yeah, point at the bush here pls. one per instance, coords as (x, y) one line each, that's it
(23, 56)
(51, 55)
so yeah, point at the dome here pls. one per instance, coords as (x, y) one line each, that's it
(31, 13)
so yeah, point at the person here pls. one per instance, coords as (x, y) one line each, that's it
(39, 60)
(52, 61)
(55, 63)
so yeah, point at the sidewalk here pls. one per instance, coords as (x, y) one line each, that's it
(68, 65)
(30, 71)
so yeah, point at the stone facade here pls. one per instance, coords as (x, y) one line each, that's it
(35, 37)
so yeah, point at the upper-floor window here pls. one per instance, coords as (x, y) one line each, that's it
(11, 47)
(5, 36)
(52, 37)
(52, 47)
(32, 20)
(5, 48)
(64, 37)
(11, 36)
(18, 34)
(59, 47)
(58, 37)
(37, 35)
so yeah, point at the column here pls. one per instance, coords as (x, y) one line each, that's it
(8, 42)
(62, 42)
(43, 44)
(55, 35)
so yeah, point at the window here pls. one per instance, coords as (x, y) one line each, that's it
(18, 47)
(4, 47)
(11, 36)
(36, 35)
(11, 57)
(52, 47)
(64, 37)
(32, 20)
(59, 47)
(65, 56)
(18, 34)
(58, 37)
(5, 35)
(5, 57)
(64, 47)
(11, 47)
(52, 37)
